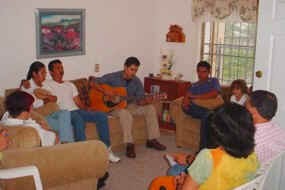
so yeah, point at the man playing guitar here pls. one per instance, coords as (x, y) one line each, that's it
(137, 104)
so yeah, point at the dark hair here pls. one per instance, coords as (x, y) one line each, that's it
(203, 64)
(34, 67)
(239, 84)
(265, 103)
(52, 63)
(232, 128)
(132, 61)
(18, 102)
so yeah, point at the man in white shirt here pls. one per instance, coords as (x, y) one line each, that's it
(60, 121)
(67, 98)
(269, 138)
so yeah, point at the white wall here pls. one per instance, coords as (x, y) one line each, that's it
(114, 30)
(186, 55)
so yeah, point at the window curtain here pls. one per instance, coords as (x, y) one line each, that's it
(223, 10)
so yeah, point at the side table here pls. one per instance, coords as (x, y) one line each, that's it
(173, 88)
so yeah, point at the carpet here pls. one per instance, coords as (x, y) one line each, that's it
(136, 174)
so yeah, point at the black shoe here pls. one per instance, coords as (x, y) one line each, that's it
(155, 145)
(101, 181)
(130, 150)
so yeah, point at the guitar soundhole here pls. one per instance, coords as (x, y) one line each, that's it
(110, 104)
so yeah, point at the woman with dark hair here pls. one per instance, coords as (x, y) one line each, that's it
(19, 106)
(233, 162)
(60, 121)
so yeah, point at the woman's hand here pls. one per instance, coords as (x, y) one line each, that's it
(179, 180)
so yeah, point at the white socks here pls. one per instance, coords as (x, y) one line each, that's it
(170, 160)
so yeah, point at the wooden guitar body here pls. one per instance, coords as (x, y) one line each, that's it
(100, 102)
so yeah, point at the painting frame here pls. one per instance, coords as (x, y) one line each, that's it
(60, 32)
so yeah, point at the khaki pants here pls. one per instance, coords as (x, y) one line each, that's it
(126, 120)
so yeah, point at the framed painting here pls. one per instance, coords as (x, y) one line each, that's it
(60, 32)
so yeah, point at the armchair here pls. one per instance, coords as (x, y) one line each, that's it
(187, 127)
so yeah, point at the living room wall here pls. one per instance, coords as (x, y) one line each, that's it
(114, 31)
(186, 55)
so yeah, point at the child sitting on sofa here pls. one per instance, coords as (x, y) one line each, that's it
(239, 92)
(19, 106)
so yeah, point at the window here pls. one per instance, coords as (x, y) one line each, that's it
(230, 49)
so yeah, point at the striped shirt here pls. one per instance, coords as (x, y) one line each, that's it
(269, 140)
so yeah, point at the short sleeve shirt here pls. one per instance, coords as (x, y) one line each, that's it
(202, 166)
(65, 92)
(134, 86)
(198, 88)
(269, 140)
(216, 169)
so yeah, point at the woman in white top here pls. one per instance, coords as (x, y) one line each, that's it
(239, 92)
(19, 105)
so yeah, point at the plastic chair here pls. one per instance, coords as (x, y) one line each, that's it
(270, 176)
(23, 172)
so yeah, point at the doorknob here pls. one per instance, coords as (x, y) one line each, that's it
(258, 74)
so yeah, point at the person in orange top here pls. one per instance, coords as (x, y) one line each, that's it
(229, 165)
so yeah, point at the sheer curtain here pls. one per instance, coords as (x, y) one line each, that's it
(224, 10)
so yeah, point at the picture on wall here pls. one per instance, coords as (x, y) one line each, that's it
(60, 32)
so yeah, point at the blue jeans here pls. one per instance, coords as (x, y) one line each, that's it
(176, 170)
(78, 126)
(60, 121)
(201, 113)
(101, 121)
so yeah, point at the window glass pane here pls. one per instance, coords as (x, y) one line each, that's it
(207, 31)
(228, 40)
(251, 42)
(233, 50)
(243, 52)
(251, 52)
(236, 41)
(244, 41)
(227, 51)
(206, 48)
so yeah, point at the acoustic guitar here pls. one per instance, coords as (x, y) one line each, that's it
(104, 103)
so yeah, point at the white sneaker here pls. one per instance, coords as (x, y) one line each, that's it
(170, 160)
(113, 157)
